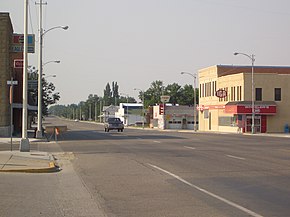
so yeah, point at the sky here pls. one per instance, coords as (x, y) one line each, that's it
(136, 42)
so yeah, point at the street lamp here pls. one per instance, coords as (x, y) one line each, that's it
(52, 61)
(53, 76)
(252, 58)
(127, 96)
(143, 102)
(194, 97)
(40, 69)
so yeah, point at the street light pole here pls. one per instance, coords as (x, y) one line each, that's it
(40, 69)
(194, 98)
(252, 58)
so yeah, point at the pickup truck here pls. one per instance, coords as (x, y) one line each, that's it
(114, 124)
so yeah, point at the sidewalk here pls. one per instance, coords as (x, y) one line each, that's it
(28, 162)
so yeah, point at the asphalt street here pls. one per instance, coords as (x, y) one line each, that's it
(168, 173)
(153, 173)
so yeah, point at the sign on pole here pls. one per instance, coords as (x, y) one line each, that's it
(165, 99)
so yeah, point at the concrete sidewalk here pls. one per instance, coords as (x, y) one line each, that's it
(28, 162)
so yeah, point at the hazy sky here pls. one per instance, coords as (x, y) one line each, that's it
(135, 42)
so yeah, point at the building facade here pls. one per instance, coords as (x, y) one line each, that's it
(131, 113)
(232, 111)
(6, 31)
(173, 117)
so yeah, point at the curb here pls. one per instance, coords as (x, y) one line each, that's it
(52, 167)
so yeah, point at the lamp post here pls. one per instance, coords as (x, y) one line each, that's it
(143, 102)
(194, 97)
(40, 69)
(39, 98)
(127, 114)
(252, 58)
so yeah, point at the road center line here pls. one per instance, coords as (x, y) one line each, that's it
(232, 156)
(156, 141)
(189, 147)
(208, 193)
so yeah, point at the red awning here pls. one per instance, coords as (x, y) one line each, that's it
(245, 107)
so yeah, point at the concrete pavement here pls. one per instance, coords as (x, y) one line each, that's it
(28, 162)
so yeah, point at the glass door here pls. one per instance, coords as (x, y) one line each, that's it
(257, 124)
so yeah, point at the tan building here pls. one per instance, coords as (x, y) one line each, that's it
(6, 31)
(233, 111)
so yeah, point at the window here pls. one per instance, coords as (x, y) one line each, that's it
(277, 94)
(258, 94)
(200, 90)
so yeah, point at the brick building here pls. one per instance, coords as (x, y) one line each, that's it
(6, 32)
(11, 48)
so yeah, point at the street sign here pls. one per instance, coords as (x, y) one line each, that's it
(12, 82)
(221, 93)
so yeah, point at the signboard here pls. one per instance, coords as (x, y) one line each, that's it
(247, 109)
(165, 98)
(18, 64)
(32, 84)
(12, 82)
(221, 93)
(18, 43)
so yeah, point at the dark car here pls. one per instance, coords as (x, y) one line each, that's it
(114, 124)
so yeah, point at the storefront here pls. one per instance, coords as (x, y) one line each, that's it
(242, 113)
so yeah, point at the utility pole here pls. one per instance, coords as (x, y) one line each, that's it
(24, 143)
(90, 116)
(96, 111)
(40, 38)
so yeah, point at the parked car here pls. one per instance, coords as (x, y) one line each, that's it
(114, 124)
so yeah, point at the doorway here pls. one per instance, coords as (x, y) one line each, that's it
(257, 124)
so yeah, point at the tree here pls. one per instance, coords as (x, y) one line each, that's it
(49, 96)
(107, 95)
(153, 94)
(115, 92)
(175, 92)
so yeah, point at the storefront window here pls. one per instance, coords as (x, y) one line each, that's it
(228, 121)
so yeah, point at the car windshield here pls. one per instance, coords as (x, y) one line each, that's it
(114, 120)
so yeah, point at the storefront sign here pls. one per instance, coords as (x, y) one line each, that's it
(18, 42)
(221, 93)
(18, 63)
(247, 109)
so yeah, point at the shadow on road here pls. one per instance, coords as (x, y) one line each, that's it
(114, 135)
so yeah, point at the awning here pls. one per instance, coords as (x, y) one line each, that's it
(245, 107)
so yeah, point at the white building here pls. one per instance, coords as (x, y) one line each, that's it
(131, 113)
(174, 116)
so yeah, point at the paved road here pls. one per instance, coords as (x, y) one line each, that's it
(151, 173)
